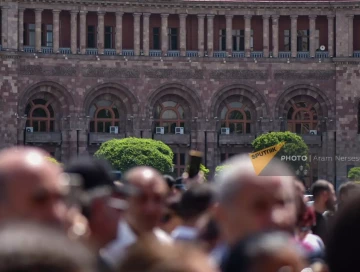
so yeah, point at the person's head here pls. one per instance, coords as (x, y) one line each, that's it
(324, 196)
(98, 198)
(171, 218)
(248, 203)
(179, 186)
(195, 202)
(31, 187)
(171, 184)
(34, 248)
(146, 207)
(347, 191)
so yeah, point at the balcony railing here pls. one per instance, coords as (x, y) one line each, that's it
(303, 55)
(29, 49)
(66, 51)
(238, 54)
(98, 138)
(47, 50)
(356, 54)
(173, 53)
(322, 54)
(312, 139)
(236, 139)
(43, 137)
(110, 52)
(182, 139)
(257, 54)
(155, 53)
(91, 51)
(220, 54)
(284, 55)
(192, 54)
(128, 52)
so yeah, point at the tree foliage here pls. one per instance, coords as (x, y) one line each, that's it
(294, 146)
(220, 168)
(130, 152)
(354, 174)
(53, 160)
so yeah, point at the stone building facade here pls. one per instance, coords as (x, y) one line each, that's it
(70, 70)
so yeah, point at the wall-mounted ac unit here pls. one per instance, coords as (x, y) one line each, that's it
(29, 129)
(159, 130)
(179, 130)
(114, 130)
(225, 131)
(313, 132)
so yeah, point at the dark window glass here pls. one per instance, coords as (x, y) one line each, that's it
(109, 35)
(52, 126)
(39, 102)
(173, 39)
(39, 112)
(156, 38)
(92, 126)
(182, 159)
(91, 37)
(303, 40)
(287, 40)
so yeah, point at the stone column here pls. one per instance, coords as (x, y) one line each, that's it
(210, 35)
(351, 35)
(312, 20)
(146, 26)
(83, 31)
(266, 35)
(201, 34)
(183, 34)
(38, 13)
(275, 34)
(293, 35)
(247, 35)
(331, 35)
(100, 32)
(164, 34)
(4, 26)
(137, 34)
(229, 19)
(118, 32)
(56, 43)
(74, 14)
(21, 29)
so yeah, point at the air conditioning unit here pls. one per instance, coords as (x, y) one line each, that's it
(225, 130)
(313, 132)
(179, 130)
(114, 130)
(159, 130)
(29, 129)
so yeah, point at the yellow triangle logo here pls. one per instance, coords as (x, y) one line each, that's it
(261, 158)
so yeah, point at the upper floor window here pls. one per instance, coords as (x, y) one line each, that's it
(109, 37)
(237, 117)
(47, 35)
(29, 34)
(358, 117)
(156, 38)
(91, 36)
(287, 40)
(104, 114)
(238, 40)
(179, 164)
(173, 39)
(222, 39)
(40, 116)
(302, 117)
(169, 115)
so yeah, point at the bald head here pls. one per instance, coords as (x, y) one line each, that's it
(31, 187)
(146, 208)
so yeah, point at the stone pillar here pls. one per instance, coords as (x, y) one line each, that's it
(183, 34)
(229, 19)
(4, 26)
(210, 35)
(38, 13)
(247, 35)
(351, 35)
(266, 34)
(201, 34)
(331, 35)
(74, 47)
(118, 32)
(100, 32)
(146, 26)
(21, 29)
(56, 32)
(83, 31)
(293, 35)
(275, 34)
(164, 34)
(312, 20)
(137, 34)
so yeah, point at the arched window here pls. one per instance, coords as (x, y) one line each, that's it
(302, 117)
(237, 117)
(169, 115)
(40, 116)
(104, 114)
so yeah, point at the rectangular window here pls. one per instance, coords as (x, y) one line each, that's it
(317, 40)
(49, 35)
(91, 39)
(238, 37)
(173, 39)
(287, 40)
(303, 41)
(156, 38)
(109, 37)
(29, 37)
(222, 39)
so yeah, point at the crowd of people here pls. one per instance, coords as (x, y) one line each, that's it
(77, 218)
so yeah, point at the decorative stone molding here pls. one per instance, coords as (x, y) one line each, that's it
(111, 72)
(39, 70)
(239, 74)
(308, 75)
(174, 73)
